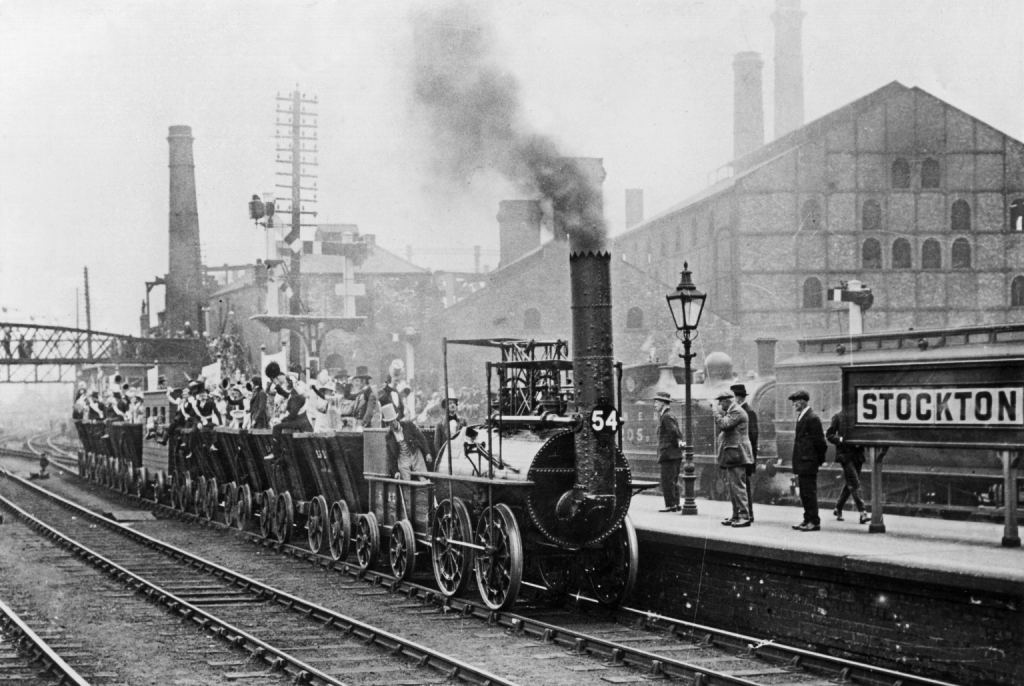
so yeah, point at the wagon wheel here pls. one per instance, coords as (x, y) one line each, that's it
(402, 549)
(558, 570)
(81, 462)
(159, 486)
(187, 493)
(284, 517)
(230, 498)
(101, 472)
(243, 508)
(125, 479)
(267, 502)
(611, 569)
(499, 566)
(115, 474)
(141, 481)
(340, 532)
(210, 511)
(453, 563)
(198, 504)
(367, 540)
(316, 524)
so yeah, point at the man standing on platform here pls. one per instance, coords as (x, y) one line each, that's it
(734, 454)
(741, 399)
(809, 448)
(670, 451)
(851, 458)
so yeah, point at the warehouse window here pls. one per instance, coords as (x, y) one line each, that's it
(810, 216)
(635, 318)
(930, 173)
(960, 216)
(871, 216)
(812, 294)
(531, 320)
(1017, 215)
(871, 254)
(900, 173)
(961, 254)
(901, 254)
(1017, 292)
(931, 255)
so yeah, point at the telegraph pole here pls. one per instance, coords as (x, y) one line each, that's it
(88, 316)
(301, 147)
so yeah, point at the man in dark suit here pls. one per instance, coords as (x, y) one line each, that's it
(670, 451)
(740, 391)
(809, 448)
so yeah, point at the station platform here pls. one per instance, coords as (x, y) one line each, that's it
(937, 597)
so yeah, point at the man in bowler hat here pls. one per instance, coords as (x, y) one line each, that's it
(740, 391)
(670, 451)
(734, 455)
(809, 448)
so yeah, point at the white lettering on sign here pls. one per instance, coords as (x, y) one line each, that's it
(956, 406)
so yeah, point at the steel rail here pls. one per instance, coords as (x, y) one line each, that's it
(749, 646)
(425, 657)
(42, 652)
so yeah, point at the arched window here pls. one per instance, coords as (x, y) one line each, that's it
(1017, 215)
(961, 254)
(871, 254)
(930, 173)
(635, 318)
(960, 216)
(871, 216)
(901, 254)
(812, 294)
(810, 215)
(931, 255)
(531, 320)
(1017, 292)
(334, 362)
(900, 173)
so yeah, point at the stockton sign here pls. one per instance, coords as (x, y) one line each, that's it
(955, 404)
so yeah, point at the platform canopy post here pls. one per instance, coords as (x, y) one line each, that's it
(877, 526)
(1011, 460)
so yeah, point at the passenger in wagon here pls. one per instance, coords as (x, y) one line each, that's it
(295, 418)
(407, 446)
(259, 416)
(446, 429)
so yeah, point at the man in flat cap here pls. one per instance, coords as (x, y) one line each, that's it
(734, 454)
(740, 391)
(809, 448)
(670, 451)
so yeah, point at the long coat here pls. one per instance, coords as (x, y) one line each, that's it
(752, 429)
(732, 434)
(259, 416)
(809, 446)
(669, 438)
(413, 437)
(845, 452)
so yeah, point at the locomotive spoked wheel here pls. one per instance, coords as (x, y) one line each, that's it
(611, 568)
(557, 570)
(212, 500)
(268, 501)
(340, 531)
(367, 540)
(175, 497)
(499, 566)
(243, 508)
(402, 550)
(284, 517)
(316, 524)
(230, 498)
(453, 563)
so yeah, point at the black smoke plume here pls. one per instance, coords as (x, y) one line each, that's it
(473, 108)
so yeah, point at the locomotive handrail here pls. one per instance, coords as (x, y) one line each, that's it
(572, 421)
(483, 480)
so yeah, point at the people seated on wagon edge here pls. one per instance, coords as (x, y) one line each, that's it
(259, 415)
(446, 429)
(407, 446)
(295, 418)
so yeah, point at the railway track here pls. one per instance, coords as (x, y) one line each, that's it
(623, 645)
(28, 657)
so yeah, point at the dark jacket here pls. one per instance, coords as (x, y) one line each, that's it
(668, 438)
(752, 430)
(414, 437)
(845, 452)
(367, 406)
(809, 446)
(260, 417)
(388, 395)
(733, 436)
(441, 433)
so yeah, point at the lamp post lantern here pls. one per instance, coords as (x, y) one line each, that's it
(686, 305)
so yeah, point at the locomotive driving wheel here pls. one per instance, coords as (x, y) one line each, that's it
(499, 566)
(268, 501)
(367, 540)
(316, 524)
(611, 568)
(284, 517)
(212, 500)
(243, 508)
(558, 570)
(402, 549)
(453, 563)
(340, 531)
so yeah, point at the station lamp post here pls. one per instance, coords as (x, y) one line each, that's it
(686, 305)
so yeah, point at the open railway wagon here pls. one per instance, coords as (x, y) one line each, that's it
(111, 454)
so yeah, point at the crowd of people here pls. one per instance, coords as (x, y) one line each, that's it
(120, 402)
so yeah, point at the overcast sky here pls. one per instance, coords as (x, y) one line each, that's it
(88, 90)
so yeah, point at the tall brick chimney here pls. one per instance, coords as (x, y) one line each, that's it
(789, 66)
(748, 104)
(185, 271)
(519, 228)
(634, 206)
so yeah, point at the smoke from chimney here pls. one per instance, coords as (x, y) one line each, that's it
(789, 66)
(473, 108)
(748, 107)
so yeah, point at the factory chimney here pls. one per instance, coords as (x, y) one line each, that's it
(518, 228)
(748, 107)
(185, 272)
(634, 206)
(789, 67)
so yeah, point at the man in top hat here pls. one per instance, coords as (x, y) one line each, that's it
(740, 391)
(734, 454)
(367, 410)
(670, 451)
(407, 446)
(259, 413)
(809, 448)
(446, 428)
(389, 395)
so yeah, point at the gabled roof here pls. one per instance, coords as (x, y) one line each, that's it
(381, 261)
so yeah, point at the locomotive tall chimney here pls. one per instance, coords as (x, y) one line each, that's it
(789, 66)
(185, 273)
(748, 104)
